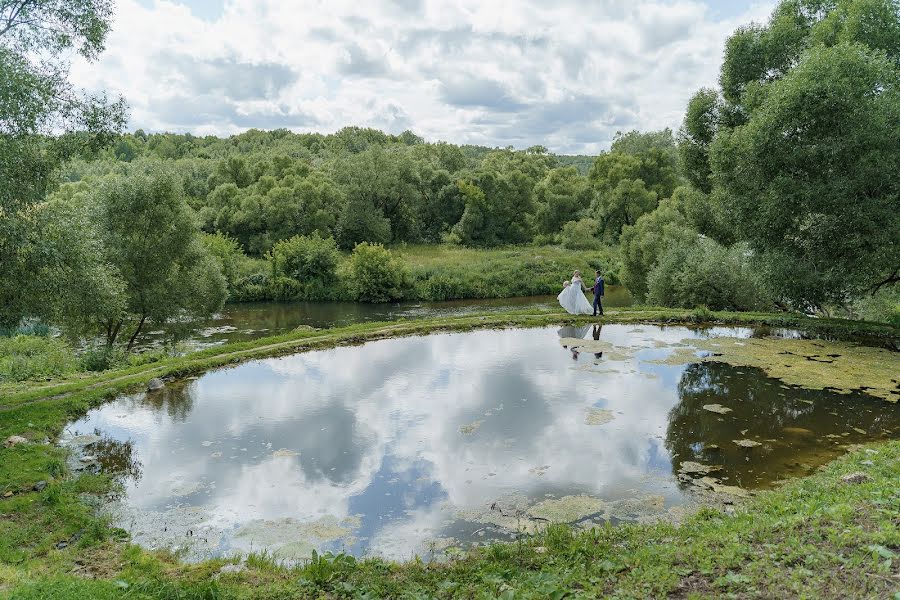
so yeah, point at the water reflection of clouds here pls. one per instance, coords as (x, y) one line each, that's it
(395, 407)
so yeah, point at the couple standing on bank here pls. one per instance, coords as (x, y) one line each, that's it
(572, 297)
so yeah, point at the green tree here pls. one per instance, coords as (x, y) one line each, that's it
(43, 121)
(582, 234)
(375, 275)
(811, 180)
(151, 237)
(622, 206)
(696, 135)
(643, 243)
(559, 198)
(802, 145)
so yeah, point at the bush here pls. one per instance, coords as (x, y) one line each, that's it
(102, 359)
(375, 275)
(702, 272)
(229, 254)
(580, 235)
(304, 267)
(26, 357)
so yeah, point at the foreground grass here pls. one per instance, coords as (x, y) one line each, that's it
(817, 537)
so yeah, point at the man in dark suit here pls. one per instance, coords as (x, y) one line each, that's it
(598, 293)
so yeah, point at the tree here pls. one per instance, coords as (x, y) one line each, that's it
(150, 236)
(802, 146)
(811, 180)
(623, 205)
(42, 120)
(695, 136)
(702, 272)
(559, 197)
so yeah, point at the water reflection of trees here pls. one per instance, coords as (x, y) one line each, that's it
(787, 421)
(176, 400)
(116, 457)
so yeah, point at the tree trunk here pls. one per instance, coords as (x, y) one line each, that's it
(136, 332)
(112, 333)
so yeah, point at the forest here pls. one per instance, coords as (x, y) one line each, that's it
(778, 191)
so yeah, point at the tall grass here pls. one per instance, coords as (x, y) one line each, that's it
(447, 272)
(453, 272)
(35, 357)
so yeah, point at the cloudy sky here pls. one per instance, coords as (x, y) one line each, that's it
(567, 74)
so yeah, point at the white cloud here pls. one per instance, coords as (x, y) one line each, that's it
(567, 74)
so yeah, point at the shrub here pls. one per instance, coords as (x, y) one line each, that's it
(33, 357)
(102, 358)
(229, 254)
(702, 272)
(375, 275)
(304, 267)
(580, 235)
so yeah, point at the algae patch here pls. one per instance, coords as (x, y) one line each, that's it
(810, 364)
(598, 416)
(470, 428)
(567, 509)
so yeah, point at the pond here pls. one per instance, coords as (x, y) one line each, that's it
(247, 321)
(425, 445)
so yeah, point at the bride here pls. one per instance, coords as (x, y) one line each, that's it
(572, 297)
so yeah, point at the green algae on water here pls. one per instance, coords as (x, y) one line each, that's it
(811, 364)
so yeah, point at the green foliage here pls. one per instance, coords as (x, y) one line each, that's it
(823, 199)
(702, 272)
(580, 235)
(150, 236)
(643, 244)
(559, 198)
(623, 205)
(799, 150)
(26, 357)
(37, 40)
(695, 136)
(375, 275)
(304, 268)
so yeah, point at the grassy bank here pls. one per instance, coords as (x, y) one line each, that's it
(442, 272)
(447, 272)
(51, 544)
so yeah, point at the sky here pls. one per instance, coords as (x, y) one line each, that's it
(566, 74)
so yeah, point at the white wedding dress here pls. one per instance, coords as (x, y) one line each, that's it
(572, 299)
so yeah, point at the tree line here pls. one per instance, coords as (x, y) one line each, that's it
(779, 189)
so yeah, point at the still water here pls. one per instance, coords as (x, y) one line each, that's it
(420, 446)
(247, 321)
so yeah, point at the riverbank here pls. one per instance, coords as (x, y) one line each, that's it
(49, 539)
(437, 272)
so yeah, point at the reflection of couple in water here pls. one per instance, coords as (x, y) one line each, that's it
(579, 333)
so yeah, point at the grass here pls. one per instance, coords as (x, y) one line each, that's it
(442, 272)
(816, 537)
(447, 272)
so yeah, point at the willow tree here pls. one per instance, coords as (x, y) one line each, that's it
(43, 121)
(803, 142)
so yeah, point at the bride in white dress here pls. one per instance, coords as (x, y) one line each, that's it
(572, 297)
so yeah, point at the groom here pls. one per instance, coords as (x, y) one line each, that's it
(598, 293)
